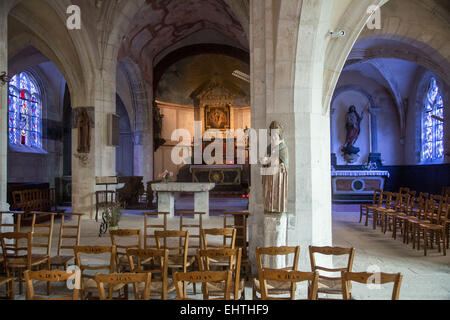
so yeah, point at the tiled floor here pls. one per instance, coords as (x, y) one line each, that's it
(424, 277)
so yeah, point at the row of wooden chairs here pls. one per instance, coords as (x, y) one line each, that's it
(273, 283)
(216, 285)
(418, 217)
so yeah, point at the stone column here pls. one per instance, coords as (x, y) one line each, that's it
(4, 206)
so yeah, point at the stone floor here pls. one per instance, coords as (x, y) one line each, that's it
(424, 277)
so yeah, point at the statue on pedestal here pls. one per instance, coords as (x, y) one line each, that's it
(353, 127)
(275, 179)
(84, 133)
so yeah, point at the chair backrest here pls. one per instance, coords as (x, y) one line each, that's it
(225, 234)
(94, 250)
(402, 202)
(15, 226)
(148, 226)
(43, 231)
(331, 251)
(203, 277)
(234, 257)
(62, 236)
(278, 251)
(367, 278)
(239, 222)
(159, 261)
(404, 190)
(285, 276)
(125, 279)
(180, 237)
(376, 196)
(386, 199)
(16, 251)
(433, 209)
(121, 249)
(187, 223)
(51, 277)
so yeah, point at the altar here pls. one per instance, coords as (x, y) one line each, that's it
(218, 174)
(348, 184)
(166, 195)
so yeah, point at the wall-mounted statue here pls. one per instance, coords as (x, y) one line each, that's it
(158, 141)
(84, 133)
(275, 184)
(353, 127)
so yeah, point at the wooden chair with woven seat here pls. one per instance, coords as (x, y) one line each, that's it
(330, 284)
(60, 260)
(223, 239)
(178, 254)
(446, 222)
(88, 270)
(53, 276)
(387, 206)
(291, 278)
(150, 228)
(364, 208)
(6, 280)
(365, 278)
(415, 217)
(161, 284)
(203, 277)
(233, 256)
(122, 263)
(431, 229)
(193, 222)
(111, 282)
(19, 257)
(394, 220)
(273, 252)
(239, 222)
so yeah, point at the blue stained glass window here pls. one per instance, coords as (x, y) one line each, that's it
(25, 110)
(433, 128)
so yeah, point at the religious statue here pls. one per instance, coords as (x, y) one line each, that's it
(158, 141)
(353, 127)
(84, 133)
(275, 179)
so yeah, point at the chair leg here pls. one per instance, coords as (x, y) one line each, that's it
(425, 239)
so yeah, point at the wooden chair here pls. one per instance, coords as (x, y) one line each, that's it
(203, 277)
(432, 228)
(120, 280)
(239, 222)
(121, 249)
(62, 261)
(178, 255)
(364, 208)
(387, 206)
(19, 257)
(446, 222)
(415, 217)
(89, 287)
(10, 227)
(365, 278)
(394, 220)
(148, 226)
(6, 279)
(291, 278)
(275, 287)
(51, 277)
(233, 256)
(161, 284)
(329, 284)
(227, 242)
(371, 212)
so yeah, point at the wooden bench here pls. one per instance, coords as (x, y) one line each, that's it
(43, 200)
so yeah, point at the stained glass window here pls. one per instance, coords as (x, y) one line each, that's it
(432, 128)
(25, 111)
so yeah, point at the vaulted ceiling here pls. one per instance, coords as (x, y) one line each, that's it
(162, 24)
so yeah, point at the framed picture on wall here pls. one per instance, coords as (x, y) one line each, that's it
(217, 117)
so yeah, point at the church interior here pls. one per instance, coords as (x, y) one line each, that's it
(133, 134)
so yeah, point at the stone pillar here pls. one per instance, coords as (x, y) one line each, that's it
(4, 206)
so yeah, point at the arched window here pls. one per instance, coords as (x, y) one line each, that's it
(25, 111)
(432, 128)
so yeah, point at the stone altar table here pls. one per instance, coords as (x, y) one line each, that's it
(166, 193)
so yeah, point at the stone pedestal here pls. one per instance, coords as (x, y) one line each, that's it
(166, 193)
(275, 235)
